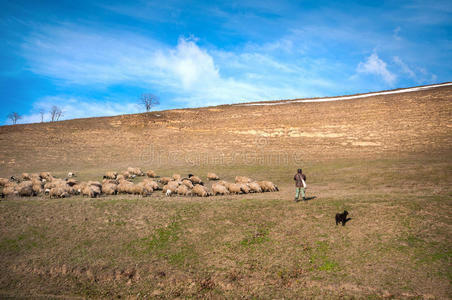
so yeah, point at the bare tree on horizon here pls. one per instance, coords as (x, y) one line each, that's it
(55, 113)
(14, 117)
(148, 101)
(42, 113)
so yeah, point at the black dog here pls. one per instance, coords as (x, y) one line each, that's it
(342, 218)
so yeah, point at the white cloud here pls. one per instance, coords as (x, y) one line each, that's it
(192, 75)
(374, 65)
(404, 68)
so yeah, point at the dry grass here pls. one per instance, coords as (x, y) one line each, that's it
(258, 246)
(384, 159)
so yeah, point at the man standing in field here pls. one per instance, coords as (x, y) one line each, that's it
(300, 184)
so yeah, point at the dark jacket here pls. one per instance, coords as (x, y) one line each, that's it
(297, 178)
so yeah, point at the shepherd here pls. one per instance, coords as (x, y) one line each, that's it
(300, 184)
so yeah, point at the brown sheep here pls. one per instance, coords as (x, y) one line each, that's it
(268, 186)
(146, 188)
(155, 186)
(199, 190)
(10, 189)
(37, 189)
(151, 174)
(71, 182)
(135, 171)
(58, 192)
(126, 174)
(234, 188)
(165, 180)
(35, 176)
(176, 177)
(183, 190)
(92, 191)
(254, 187)
(46, 175)
(187, 183)
(212, 176)
(244, 188)
(25, 189)
(195, 179)
(26, 176)
(172, 185)
(3, 181)
(110, 175)
(219, 189)
(125, 187)
(109, 188)
(242, 179)
(120, 177)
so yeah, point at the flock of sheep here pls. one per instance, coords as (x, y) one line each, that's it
(113, 183)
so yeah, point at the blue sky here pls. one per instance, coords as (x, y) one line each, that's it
(95, 58)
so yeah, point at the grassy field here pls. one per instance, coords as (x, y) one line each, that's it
(385, 159)
(257, 246)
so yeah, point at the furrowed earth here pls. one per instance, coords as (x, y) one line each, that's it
(385, 159)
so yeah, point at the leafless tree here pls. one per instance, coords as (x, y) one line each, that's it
(55, 113)
(14, 117)
(148, 101)
(42, 113)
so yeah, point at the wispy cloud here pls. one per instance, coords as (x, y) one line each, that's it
(374, 65)
(405, 69)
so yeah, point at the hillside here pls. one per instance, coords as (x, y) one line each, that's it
(386, 159)
(399, 124)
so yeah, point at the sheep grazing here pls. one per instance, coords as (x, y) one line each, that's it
(268, 186)
(242, 179)
(212, 176)
(151, 174)
(10, 189)
(218, 189)
(145, 188)
(58, 192)
(120, 177)
(135, 171)
(234, 188)
(254, 187)
(109, 188)
(25, 189)
(200, 190)
(110, 175)
(3, 181)
(71, 174)
(187, 183)
(176, 177)
(168, 193)
(152, 184)
(46, 175)
(173, 185)
(126, 174)
(91, 191)
(26, 176)
(37, 189)
(71, 182)
(125, 187)
(244, 188)
(165, 180)
(183, 190)
(35, 176)
(195, 179)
